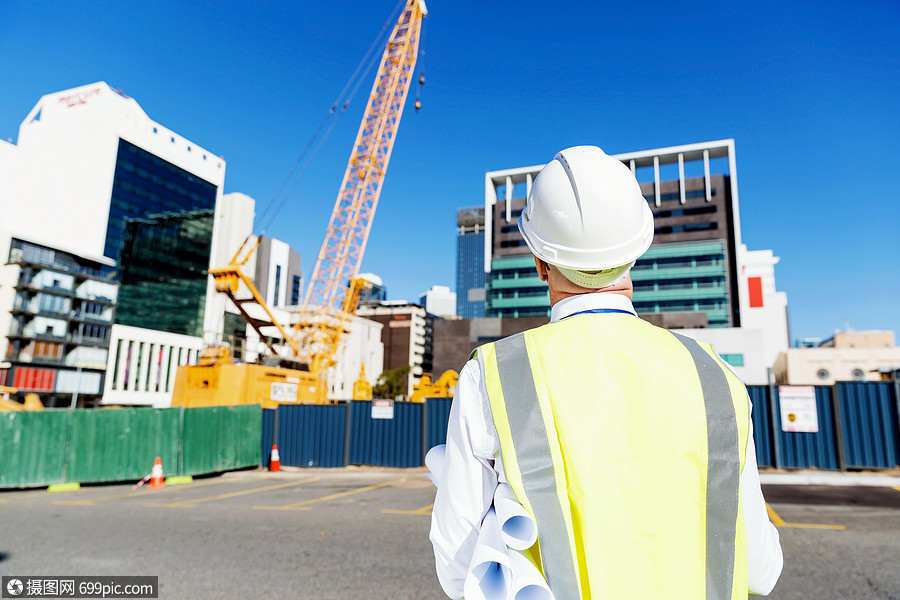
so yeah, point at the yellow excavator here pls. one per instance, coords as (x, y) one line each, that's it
(295, 370)
(32, 401)
(442, 388)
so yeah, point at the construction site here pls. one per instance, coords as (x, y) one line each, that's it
(159, 334)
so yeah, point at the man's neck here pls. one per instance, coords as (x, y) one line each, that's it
(622, 290)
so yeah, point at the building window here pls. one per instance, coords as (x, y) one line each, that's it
(295, 290)
(735, 360)
(823, 374)
(277, 284)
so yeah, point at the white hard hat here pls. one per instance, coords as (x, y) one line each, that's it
(587, 217)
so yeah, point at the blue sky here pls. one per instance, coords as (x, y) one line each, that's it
(809, 91)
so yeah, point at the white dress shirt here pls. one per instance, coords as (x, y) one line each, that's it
(473, 467)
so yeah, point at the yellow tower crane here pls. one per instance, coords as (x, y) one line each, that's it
(334, 289)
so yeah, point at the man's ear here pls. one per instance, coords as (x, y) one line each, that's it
(542, 269)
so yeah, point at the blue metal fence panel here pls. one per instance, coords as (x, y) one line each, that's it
(869, 425)
(804, 450)
(311, 435)
(393, 442)
(437, 415)
(762, 425)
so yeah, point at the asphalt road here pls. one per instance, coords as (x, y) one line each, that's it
(363, 533)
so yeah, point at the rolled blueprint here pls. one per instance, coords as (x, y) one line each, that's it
(434, 462)
(489, 576)
(527, 581)
(517, 528)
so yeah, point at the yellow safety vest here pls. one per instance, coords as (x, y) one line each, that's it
(625, 442)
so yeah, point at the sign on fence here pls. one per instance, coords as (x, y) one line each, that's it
(798, 408)
(382, 409)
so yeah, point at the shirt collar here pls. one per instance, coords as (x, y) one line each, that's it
(590, 301)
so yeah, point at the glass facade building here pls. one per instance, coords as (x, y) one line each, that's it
(688, 277)
(515, 290)
(163, 268)
(470, 275)
(145, 184)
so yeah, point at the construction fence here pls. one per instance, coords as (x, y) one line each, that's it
(99, 445)
(377, 433)
(848, 426)
(851, 425)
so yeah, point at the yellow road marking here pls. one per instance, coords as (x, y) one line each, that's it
(191, 503)
(425, 510)
(138, 492)
(304, 505)
(779, 522)
(776, 520)
(897, 488)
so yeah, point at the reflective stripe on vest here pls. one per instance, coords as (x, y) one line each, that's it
(544, 483)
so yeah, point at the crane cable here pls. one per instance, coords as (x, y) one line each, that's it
(360, 74)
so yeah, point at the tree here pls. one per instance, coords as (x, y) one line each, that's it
(392, 383)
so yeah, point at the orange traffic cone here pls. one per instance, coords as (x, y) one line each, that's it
(275, 460)
(156, 475)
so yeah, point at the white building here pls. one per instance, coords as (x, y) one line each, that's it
(752, 348)
(362, 347)
(404, 337)
(86, 160)
(848, 356)
(59, 185)
(439, 300)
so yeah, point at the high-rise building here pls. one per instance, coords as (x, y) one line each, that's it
(93, 178)
(163, 272)
(88, 158)
(407, 336)
(57, 322)
(470, 274)
(694, 276)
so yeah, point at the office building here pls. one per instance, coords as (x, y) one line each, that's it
(470, 273)
(88, 158)
(90, 175)
(407, 336)
(162, 272)
(57, 322)
(695, 275)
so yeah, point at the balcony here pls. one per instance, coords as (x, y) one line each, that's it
(83, 340)
(649, 273)
(92, 318)
(717, 292)
(516, 282)
(520, 302)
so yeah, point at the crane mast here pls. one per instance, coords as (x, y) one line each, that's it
(326, 312)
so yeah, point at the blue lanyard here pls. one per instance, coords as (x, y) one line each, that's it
(599, 310)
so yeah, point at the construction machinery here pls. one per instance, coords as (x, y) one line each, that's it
(310, 347)
(32, 401)
(442, 388)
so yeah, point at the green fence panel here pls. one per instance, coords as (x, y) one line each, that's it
(33, 448)
(121, 445)
(221, 438)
